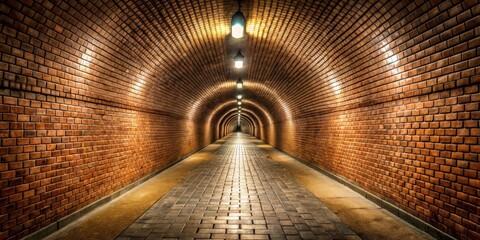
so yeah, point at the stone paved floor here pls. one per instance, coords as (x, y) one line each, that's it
(238, 194)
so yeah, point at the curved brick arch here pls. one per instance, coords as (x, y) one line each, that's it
(231, 123)
(226, 124)
(260, 112)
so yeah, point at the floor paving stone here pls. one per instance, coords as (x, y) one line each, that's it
(238, 194)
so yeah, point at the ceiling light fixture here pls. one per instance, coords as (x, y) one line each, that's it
(238, 60)
(239, 83)
(238, 23)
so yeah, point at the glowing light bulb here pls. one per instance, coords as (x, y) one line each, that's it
(239, 64)
(239, 96)
(238, 60)
(238, 25)
(239, 83)
(237, 31)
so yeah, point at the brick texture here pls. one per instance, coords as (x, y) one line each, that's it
(393, 104)
(81, 113)
(97, 94)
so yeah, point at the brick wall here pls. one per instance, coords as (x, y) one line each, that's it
(60, 155)
(419, 153)
(81, 113)
(398, 113)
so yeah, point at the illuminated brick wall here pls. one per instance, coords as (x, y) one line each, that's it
(400, 116)
(79, 119)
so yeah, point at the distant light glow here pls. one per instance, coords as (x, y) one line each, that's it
(239, 96)
(138, 84)
(239, 84)
(337, 88)
(85, 60)
(239, 103)
(239, 64)
(391, 56)
(393, 59)
(238, 60)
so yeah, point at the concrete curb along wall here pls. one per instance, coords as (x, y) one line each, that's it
(416, 222)
(63, 222)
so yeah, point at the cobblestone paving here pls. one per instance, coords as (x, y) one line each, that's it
(238, 194)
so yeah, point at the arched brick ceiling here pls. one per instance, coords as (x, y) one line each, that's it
(302, 57)
(257, 113)
(232, 115)
(232, 121)
(260, 112)
(177, 56)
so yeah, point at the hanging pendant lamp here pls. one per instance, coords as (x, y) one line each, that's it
(238, 23)
(238, 60)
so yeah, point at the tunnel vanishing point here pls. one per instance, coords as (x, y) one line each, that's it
(97, 95)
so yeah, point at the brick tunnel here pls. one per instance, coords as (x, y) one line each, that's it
(99, 96)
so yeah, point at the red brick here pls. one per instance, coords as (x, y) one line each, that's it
(9, 100)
